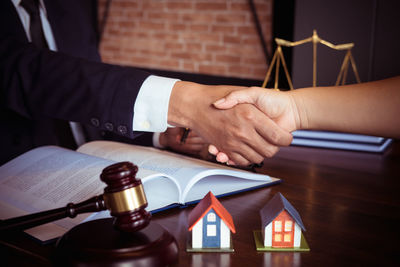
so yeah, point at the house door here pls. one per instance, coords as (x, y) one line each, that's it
(211, 230)
(283, 231)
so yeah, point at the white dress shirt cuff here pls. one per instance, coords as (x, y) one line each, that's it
(156, 140)
(151, 105)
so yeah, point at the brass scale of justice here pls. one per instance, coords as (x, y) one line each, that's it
(129, 238)
(315, 40)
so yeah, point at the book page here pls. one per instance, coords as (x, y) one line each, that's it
(47, 178)
(186, 170)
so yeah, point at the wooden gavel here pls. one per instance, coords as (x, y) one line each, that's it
(124, 197)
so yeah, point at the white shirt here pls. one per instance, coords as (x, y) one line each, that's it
(151, 105)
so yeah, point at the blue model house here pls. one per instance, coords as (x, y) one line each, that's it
(211, 224)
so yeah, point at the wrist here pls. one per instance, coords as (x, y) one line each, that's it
(298, 109)
(179, 110)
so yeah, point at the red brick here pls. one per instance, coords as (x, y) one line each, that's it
(210, 6)
(158, 26)
(239, 69)
(189, 67)
(177, 26)
(124, 4)
(246, 30)
(153, 5)
(215, 48)
(222, 28)
(173, 46)
(174, 5)
(212, 69)
(254, 60)
(231, 18)
(199, 27)
(194, 46)
(227, 59)
(260, 72)
(240, 7)
(160, 15)
(232, 39)
(126, 24)
(169, 63)
(251, 40)
(197, 17)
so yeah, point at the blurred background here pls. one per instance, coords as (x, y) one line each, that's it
(231, 41)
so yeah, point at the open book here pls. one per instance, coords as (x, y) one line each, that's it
(51, 177)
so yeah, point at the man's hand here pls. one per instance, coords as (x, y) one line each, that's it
(194, 144)
(244, 133)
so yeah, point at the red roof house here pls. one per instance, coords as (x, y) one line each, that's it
(211, 224)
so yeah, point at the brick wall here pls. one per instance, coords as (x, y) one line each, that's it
(216, 37)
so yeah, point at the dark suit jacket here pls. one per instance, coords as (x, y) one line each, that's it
(38, 86)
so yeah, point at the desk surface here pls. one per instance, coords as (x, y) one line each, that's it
(349, 203)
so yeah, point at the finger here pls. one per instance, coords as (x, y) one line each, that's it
(212, 150)
(195, 140)
(230, 162)
(261, 148)
(274, 134)
(222, 157)
(236, 97)
(239, 159)
(244, 154)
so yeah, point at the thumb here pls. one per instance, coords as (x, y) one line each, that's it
(234, 98)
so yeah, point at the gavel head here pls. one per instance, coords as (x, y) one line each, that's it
(124, 197)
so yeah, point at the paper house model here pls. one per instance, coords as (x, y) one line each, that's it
(281, 224)
(211, 224)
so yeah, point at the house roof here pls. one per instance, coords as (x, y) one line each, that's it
(275, 206)
(207, 203)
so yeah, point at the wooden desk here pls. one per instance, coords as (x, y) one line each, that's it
(349, 203)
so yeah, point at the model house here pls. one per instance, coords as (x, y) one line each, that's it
(281, 224)
(211, 224)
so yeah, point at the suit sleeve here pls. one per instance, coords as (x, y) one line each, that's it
(39, 83)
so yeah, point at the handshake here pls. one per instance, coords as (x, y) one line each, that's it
(246, 125)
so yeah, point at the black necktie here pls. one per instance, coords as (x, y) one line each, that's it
(35, 29)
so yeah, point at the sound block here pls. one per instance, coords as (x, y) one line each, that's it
(97, 243)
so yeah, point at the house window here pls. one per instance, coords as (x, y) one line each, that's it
(211, 230)
(278, 237)
(211, 217)
(288, 226)
(278, 226)
(287, 238)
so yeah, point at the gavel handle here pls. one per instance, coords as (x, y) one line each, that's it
(71, 210)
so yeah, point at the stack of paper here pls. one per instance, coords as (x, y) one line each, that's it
(336, 140)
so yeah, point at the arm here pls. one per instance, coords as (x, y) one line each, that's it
(39, 83)
(368, 108)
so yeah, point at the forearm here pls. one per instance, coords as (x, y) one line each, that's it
(369, 108)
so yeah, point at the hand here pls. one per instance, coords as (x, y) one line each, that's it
(244, 133)
(194, 144)
(276, 105)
